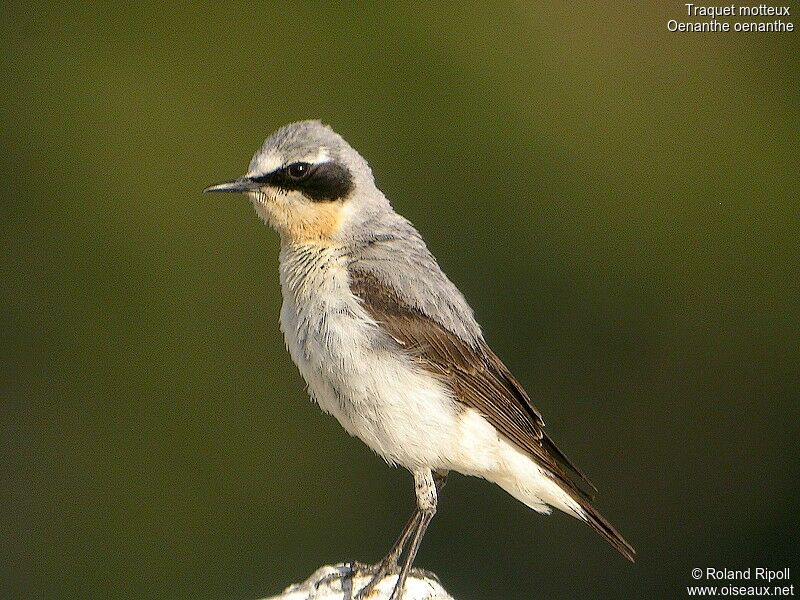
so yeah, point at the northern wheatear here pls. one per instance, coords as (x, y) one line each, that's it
(389, 346)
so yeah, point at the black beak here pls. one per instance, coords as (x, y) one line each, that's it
(242, 184)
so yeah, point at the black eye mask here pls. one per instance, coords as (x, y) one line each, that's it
(323, 182)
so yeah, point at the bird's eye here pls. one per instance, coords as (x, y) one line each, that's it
(298, 170)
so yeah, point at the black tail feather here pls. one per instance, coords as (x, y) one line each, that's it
(589, 493)
(597, 522)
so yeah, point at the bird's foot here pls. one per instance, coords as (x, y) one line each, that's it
(347, 570)
(379, 570)
(416, 573)
(351, 570)
(386, 568)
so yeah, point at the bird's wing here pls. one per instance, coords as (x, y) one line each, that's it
(478, 378)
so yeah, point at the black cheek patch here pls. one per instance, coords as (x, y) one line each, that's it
(327, 182)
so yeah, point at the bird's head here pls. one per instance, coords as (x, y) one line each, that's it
(309, 184)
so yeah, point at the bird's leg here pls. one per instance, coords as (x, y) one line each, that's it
(389, 563)
(426, 486)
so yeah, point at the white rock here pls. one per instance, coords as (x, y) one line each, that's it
(335, 583)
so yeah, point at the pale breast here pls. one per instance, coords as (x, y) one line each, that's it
(375, 392)
(321, 322)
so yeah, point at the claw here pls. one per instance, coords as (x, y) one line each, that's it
(388, 566)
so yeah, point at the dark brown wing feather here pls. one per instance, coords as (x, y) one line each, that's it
(481, 381)
(477, 376)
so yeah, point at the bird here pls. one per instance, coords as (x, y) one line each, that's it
(389, 346)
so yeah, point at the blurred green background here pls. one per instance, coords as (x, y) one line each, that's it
(618, 203)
